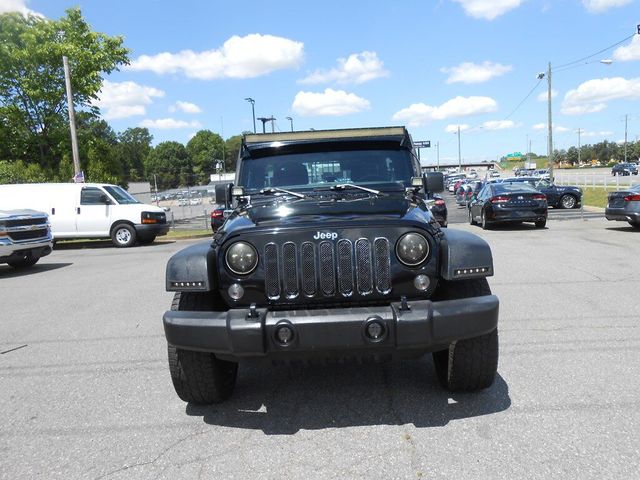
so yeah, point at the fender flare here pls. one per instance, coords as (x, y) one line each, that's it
(464, 255)
(192, 269)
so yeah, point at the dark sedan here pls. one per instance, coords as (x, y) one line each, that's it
(558, 196)
(508, 202)
(624, 169)
(624, 206)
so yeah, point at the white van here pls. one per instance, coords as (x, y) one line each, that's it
(89, 210)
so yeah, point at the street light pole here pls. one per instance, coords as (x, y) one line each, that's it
(459, 152)
(72, 117)
(579, 147)
(438, 154)
(291, 122)
(253, 111)
(549, 124)
(625, 137)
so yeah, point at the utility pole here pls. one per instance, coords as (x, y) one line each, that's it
(264, 120)
(459, 154)
(72, 117)
(528, 150)
(579, 146)
(155, 182)
(625, 137)
(550, 124)
(438, 154)
(291, 122)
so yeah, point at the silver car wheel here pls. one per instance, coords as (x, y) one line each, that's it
(568, 201)
(123, 236)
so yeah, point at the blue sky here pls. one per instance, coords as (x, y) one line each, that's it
(430, 65)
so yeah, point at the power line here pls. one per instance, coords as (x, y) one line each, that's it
(524, 99)
(597, 53)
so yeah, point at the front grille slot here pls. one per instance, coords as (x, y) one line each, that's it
(345, 268)
(271, 275)
(308, 266)
(364, 274)
(382, 261)
(290, 270)
(327, 269)
(25, 222)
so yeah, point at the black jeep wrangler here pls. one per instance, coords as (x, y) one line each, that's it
(330, 253)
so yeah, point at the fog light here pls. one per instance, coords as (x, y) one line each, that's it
(236, 291)
(421, 282)
(375, 330)
(284, 334)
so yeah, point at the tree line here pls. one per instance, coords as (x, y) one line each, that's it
(605, 153)
(35, 144)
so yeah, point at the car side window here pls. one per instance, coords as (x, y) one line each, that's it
(91, 196)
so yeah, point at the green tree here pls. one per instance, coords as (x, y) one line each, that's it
(205, 148)
(134, 145)
(171, 164)
(233, 148)
(32, 87)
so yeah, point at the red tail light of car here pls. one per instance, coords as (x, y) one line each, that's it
(439, 202)
(539, 196)
(470, 193)
(632, 198)
(217, 213)
(499, 199)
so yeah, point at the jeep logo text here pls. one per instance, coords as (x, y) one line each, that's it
(325, 236)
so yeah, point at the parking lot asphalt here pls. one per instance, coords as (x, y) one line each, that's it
(85, 389)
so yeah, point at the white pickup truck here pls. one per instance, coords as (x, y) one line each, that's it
(25, 237)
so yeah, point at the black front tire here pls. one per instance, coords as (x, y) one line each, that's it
(199, 377)
(635, 224)
(471, 364)
(541, 224)
(25, 262)
(471, 220)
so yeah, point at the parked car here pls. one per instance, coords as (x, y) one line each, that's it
(438, 208)
(558, 196)
(624, 206)
(89, 210)
(494, 174)
(218, 216)
(624, 169)
(508, 202)
(25, 237)
(541, 173)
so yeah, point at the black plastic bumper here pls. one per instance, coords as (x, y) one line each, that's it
(152, 229)
(33, 252)
(425, 326)
(621, 214)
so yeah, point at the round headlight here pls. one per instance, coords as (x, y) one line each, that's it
(412, 249)
(241, 258)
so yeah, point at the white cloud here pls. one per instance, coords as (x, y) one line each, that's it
(19, 6)
(239, 57)
(539, 126)
(454, 128)
(499, 124)
(330, 103)
(544, 96)
(560, 129)
(557, 128)
(628, 53)
(357, 68)
(591, 96)
(468, 72)
(169, 124)
(125, 99)
(602, 134)
(186, 107)
(488, 9)
(419, 114)
(599, 6)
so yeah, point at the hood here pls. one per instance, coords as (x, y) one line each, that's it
(331, 210)
(5, 214)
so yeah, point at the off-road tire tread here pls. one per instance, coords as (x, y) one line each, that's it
(199, 377)
(474, 361)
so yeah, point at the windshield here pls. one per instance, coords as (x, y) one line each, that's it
(311, 170)
(121, 196)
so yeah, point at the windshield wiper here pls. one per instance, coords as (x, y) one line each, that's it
(344, 186)
(282, 190)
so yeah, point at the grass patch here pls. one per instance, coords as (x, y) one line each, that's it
(177, 234)
(596, 197)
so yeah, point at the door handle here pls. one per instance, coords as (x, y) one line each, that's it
(78, 210)
(53, 211)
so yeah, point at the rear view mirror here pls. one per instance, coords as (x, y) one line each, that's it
(223, 194)
(104, 199)
(434, 182)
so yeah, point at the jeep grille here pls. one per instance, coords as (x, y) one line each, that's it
(327, 269)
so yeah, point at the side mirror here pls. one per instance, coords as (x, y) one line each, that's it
(433, 182)
(223, 194)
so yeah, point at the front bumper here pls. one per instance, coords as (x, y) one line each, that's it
(152, 229)
(425, 326)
